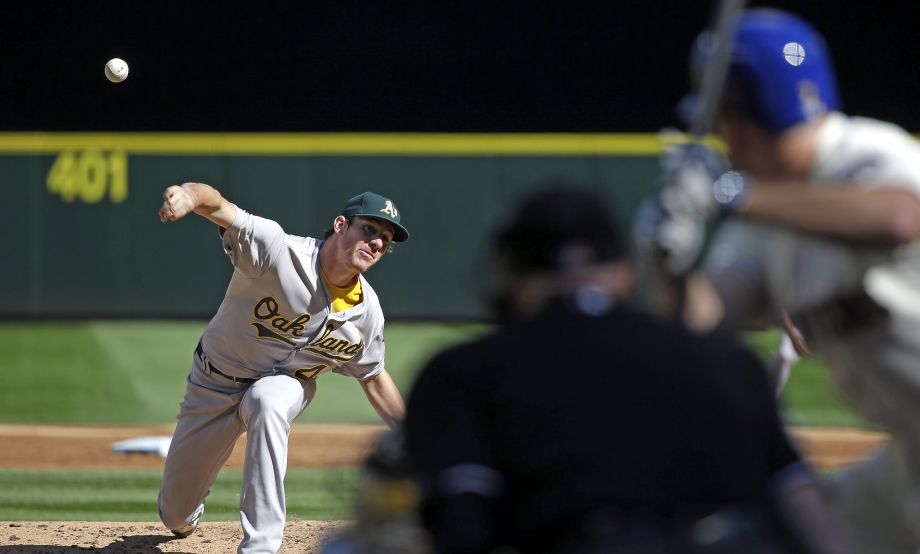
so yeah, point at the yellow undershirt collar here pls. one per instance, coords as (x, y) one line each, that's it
(345, 297)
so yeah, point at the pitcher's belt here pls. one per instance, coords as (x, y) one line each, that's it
(204, 359)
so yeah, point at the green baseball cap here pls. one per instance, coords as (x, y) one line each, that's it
(369, 204)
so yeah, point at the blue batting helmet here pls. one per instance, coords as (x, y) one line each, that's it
(780, 72)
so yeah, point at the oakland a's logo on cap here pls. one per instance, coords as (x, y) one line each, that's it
(390, 209)
(369, 204)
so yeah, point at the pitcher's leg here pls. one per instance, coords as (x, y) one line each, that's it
(207, 429)
(268, 409)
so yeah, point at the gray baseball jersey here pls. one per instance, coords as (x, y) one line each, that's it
(762, 269)
(872, 348)
(275, 317)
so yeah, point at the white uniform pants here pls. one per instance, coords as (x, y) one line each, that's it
(878, 501)
(878, 370)
(214, 413)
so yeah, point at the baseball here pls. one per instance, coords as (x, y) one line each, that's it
(116, 70)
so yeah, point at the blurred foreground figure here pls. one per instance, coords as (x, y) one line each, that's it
(824, 217)
(385, 518)
(581, 426)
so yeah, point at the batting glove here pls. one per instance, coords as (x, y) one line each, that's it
(696, 180)
(672, 239)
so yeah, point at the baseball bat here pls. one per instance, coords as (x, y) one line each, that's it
(708, 93)
(715, 69)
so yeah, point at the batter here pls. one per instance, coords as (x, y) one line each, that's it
(296, 307)
(826, 225)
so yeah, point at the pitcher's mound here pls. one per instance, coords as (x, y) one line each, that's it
(73, 537)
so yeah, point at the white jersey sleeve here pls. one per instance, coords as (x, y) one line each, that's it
(253, 243)
(877, 154)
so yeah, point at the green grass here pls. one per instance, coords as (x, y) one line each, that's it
(809, 397)
(132, 495)
(133, 372)
(93, 372)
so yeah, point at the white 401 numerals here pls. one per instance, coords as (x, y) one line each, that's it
(89, 176)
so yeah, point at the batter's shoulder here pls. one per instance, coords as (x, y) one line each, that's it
(886, 141)
(870, 127)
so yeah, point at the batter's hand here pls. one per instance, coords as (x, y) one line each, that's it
(671, 240)
(688, 174)
(177, 203)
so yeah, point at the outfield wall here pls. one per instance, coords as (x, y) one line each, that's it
(83, 239)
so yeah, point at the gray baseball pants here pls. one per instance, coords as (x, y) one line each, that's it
(213, 415)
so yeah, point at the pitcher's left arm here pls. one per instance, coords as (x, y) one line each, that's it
(384, 396)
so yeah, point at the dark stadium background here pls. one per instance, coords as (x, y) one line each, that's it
(395, 66)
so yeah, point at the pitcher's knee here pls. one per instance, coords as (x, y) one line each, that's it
(177, 514)
(170, 518)
(264, 408)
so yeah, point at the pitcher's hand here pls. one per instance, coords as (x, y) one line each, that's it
(177, 203)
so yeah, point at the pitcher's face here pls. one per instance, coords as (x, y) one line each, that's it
(363, 241)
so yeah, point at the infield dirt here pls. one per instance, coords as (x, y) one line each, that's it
(29, 446)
